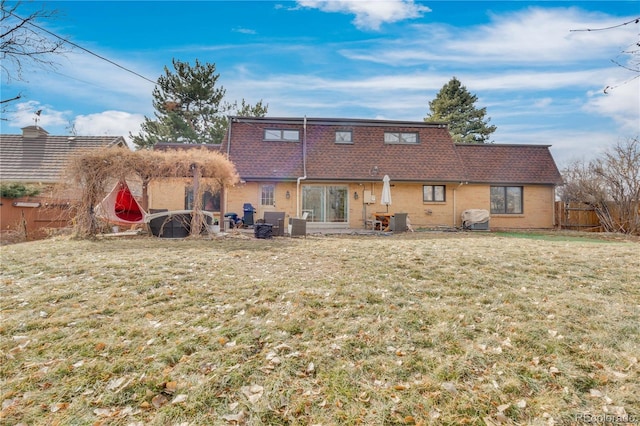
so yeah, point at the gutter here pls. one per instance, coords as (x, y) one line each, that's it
(304, 165)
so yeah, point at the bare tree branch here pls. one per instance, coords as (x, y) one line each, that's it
(22, 42)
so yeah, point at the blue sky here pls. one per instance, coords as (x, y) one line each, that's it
(541, 82)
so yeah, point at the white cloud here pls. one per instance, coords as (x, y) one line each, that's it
(532, 36)
(112, 123)
(621, 103)
(567, 145)
(370, 14)
(245, 31)
(116, 123)
(543, 35)
(24, 114)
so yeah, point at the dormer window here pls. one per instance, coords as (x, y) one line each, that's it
(401, 138)
(286, 135)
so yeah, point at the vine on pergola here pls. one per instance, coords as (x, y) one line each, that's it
(91, 172)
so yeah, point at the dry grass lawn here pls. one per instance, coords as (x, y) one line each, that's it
(421, 328)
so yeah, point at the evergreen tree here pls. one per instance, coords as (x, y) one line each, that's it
(455, 106)
(189, 108)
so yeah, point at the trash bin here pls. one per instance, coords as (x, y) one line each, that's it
(248, 214)
(232, 220)
(263, 230)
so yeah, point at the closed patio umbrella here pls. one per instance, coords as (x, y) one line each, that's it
(386, 192)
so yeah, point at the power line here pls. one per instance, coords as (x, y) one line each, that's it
(634, 21)
(82, 48)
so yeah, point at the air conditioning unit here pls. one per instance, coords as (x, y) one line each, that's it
(475, 220)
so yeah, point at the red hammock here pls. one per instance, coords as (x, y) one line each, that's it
(120, 207)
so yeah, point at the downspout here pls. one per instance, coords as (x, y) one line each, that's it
(304, 165)
(455, 190)
(223, 190)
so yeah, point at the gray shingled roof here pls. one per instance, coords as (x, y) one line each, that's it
(35, 156)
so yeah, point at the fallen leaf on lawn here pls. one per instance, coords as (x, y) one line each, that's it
(103, 412)
(100, 346)
(615, 410)
(236, 418)
(503, 407)
(595, 393)
(170, 387)
(116, 383)
(449, 387)
(273, 358)
(59, 406)
(409, 420)
(179, 398)
(253, 392)
(501, 418)
(159, 400)
(282, 347)
(364, 397)
(554, 370)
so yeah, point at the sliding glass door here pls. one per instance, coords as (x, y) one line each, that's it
(325, 203)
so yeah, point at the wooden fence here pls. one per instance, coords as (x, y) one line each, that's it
(31, 218)
(577, 217)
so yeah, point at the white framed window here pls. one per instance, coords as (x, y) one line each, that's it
(506, 200)
(410, 138)
(286, 135)
(344, 136)
(434, 193)
(267, 195)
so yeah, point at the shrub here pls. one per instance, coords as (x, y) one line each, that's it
(17, 190)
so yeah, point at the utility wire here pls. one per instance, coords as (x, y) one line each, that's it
(635, 21)
(83, 49)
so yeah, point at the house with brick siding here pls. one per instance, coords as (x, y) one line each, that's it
(332, 169)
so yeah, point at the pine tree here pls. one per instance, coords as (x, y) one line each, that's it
(455, 106)
(189, 108)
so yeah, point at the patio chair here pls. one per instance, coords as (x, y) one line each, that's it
(276, 219)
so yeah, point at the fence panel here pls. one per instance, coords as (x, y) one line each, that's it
(577, 217)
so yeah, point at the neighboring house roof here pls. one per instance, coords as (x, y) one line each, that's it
(434, 158)
(517, 164)
(35, 156)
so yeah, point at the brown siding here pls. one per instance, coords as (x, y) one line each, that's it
(33, 223)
